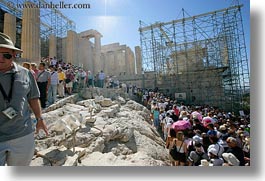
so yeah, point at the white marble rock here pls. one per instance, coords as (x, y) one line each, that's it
(109, 133)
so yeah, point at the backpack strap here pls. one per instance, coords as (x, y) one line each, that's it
(40, 75)
(181, 146)
(200, 158)
(219, 147)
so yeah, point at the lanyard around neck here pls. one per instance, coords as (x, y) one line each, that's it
(8, 97)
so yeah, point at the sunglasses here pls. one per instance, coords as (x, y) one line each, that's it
(7, 55)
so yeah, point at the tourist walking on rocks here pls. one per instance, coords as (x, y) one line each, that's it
(96, 80)
(27, 65)
(216, 146)
(101, 79)
(181, 146)
(53, 61)
(170, 143)
(90, 79)
(215, 158)
(235, 150)
(43, 80)
(197, 155)
(166, 124)
(61, 77)
(156, 118)
(35, 70)
(84, 79)
(52, 91)
(230, 160)
(211, 131)
(18, 93)
(70, 77)
(80, 77)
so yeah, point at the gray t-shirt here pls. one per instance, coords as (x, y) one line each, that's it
(196, 157)
(24, 89)
(54, 78)
(43, 76)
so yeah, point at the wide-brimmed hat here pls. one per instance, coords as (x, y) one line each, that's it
(6, 42)
(205, 163)
(213, 151)
(222, 128)
(231, 159)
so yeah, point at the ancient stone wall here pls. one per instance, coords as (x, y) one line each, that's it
(202, 87)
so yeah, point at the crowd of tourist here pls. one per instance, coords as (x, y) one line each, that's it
(57, 78)
(24, 94)
(199, 135)
(194, 135)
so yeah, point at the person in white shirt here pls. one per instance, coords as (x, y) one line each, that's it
(52, 90)
(101, 78)
(166, 124)
(53, 61)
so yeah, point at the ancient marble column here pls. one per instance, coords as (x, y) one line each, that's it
(64, 49)
(52, 46)
(90, 56)
(94, 51)
(72, 47)
(116, 68)
(84, 51)
(97, 61)
(130, 61)
(111, 64)
(10, 26)
(138, 57)
(120, 61)
(30, 39)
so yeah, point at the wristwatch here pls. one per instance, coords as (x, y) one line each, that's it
(39, 119)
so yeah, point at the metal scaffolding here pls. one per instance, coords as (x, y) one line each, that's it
(202, 56)
(52, 22)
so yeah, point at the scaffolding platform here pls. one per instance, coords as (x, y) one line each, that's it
(203, 56)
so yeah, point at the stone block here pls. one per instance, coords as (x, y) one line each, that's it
(71, 161)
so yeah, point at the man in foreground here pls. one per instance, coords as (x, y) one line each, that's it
(18, 93)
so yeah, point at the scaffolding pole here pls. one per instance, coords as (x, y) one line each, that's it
(203, 56)
(52, 22)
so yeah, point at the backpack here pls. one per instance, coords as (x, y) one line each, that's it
(67, 81)
(174, 152)
(199, 160)
(191, 147)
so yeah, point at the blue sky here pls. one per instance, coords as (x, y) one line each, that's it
(118, 20)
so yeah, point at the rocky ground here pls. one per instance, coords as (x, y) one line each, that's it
(99, 127)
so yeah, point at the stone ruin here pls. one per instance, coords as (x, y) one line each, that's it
(99, 127)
